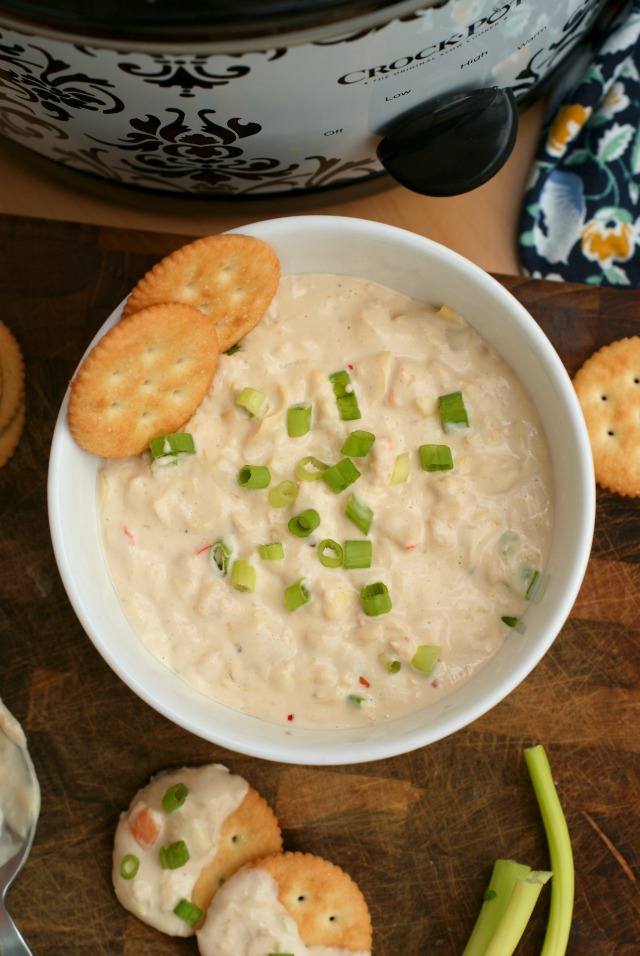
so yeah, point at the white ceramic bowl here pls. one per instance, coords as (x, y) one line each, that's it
(424, 270)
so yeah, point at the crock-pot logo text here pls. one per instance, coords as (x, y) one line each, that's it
(442, 46)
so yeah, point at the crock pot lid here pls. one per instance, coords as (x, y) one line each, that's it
(194, 20)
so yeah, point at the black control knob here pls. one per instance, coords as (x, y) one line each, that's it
(453, 143)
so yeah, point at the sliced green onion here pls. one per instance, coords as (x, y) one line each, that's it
(532, 584)
(435, 457)
(504, 876)
(253, 401)
(129, 866)
(330, 553)
(283, 494)
(174, 797)
(560, 854)
(298, 419)
(303, 524)
(359, 513)
(188, 912)
(219, 555)
(356, 700)
(400, 471)
(233, 349)
(297, 594)
(179, 443)
(358, 444)
(345, 396)
(425, 658)
(274, 551)
(254, 476)
(310, 468)
(391, 664)
(453, 414)
(243, 576)
(174, 856)
(341, 475)
(509, 621)
(357, 554)
(375, 599)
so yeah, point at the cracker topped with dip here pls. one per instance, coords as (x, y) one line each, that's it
(287, 903)
(182, 836)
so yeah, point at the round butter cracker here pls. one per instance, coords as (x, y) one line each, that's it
(220, 820)
(10, 437)
(144, 378)
(231, 278)
(608, 389)
(11, 376)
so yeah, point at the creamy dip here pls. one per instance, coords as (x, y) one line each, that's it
(246, 918)
(458, 550)
(19, 788)
(142, 884)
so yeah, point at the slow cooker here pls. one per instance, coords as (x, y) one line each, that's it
(242, 98)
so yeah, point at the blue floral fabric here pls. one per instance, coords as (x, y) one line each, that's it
(580, 220)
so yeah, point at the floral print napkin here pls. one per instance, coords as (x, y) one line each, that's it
(580, 220)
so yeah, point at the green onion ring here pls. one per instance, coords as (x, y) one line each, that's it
(341, 475)
(357, 554)
(274, 551)
(283, 494)
(243, 576)
(174, 856)
(129, 866)
(330, 553)
(174, 797)
(188, 912)
(254, 476)
(304, 523)
(358, 444)
(376, 599)
(310, 468)
(297, 594)
(298, 419)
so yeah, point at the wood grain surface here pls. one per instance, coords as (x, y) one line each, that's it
(420, 832)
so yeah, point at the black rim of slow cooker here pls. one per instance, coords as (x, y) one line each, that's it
(196, 21)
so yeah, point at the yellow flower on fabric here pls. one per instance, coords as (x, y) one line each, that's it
(610, 236)
(565, 127)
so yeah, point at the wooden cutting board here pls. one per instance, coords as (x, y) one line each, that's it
(419, 833)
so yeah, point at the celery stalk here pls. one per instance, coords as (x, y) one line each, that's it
(560, 854)
(504, 876)
(514, 921)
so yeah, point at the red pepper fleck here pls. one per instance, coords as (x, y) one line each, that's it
(365, 682)
(410, 547)
(289, 716)
(202, 550)
(350, 366)
(129, 535)
(434, 683)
